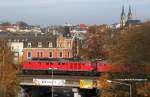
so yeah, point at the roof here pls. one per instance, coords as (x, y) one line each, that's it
(43, 39)
(4, 34)
(31, 38)
(133, 22)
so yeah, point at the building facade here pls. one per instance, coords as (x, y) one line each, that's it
(16, 46)
(28, 46)
(48, 47)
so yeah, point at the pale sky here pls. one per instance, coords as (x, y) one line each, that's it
(45, 12)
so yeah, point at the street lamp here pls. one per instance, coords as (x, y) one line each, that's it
(110, 81)
(52, 79)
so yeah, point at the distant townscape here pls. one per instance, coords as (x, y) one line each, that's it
(76, 60)
(55, 41)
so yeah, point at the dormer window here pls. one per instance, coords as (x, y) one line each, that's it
(39, 44)
(50, 44)
(29, 44)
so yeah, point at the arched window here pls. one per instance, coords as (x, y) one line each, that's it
(68, 54)
(29, 55)
(50, 54)
(60, 54)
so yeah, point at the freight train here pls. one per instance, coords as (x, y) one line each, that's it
(69, 66)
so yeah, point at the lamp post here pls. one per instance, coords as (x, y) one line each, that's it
(110, 81)
(52, 79)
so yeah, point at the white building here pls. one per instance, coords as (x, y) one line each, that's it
(16, 47)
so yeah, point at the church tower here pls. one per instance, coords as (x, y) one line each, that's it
(130, 17)
(122, 18)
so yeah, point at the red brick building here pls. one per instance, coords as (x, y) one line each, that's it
(48, 47)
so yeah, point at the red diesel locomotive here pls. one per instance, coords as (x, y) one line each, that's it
(58, 66)
(70, 66)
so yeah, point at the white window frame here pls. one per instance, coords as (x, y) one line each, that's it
(29, 57)
(39, 44)
(50, 44)
(29, 44)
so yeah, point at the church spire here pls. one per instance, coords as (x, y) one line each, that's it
(123, 17)
(123, 13)
(129, 13)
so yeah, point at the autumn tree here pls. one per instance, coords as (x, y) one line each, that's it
(8, 79)
(131, 49)
(143, 89)
(95, 42)
(111, 89)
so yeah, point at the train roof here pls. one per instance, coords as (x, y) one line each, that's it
(58, 59)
